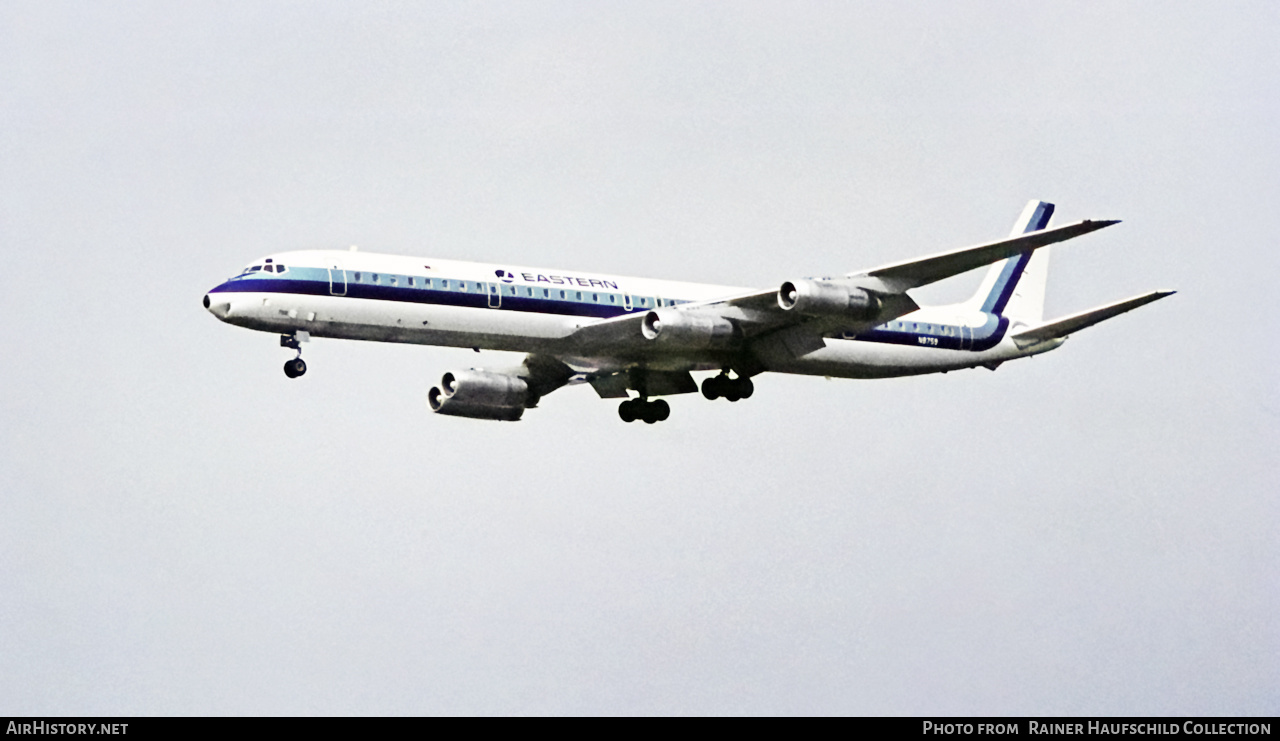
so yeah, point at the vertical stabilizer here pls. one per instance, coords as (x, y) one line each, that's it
(1015, 287)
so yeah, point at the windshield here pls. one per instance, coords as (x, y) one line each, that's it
(259, 267)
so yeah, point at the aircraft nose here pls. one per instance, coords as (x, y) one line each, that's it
(218, 308)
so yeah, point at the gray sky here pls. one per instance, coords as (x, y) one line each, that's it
(184, 530)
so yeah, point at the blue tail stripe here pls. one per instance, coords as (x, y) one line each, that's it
(1002, 291)
(1040, 219)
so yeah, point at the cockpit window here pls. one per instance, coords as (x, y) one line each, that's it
(269, 267)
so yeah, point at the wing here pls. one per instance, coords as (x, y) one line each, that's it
(883, 289)
(901, 276)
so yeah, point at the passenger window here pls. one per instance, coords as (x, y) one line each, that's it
(613, 299)
(375, 277)
(595, 297)
(357, 277)
(579, 295)
(411, 280)
(562, 294)
(392, 280)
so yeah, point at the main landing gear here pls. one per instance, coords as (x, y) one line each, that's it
(643, 409)
(297, 366)
(724, 387)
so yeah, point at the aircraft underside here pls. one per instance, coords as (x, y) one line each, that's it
(614, 371)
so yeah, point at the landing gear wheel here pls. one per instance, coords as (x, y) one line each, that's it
(646, 411)
(294, 368)
(724, 387)
(715, 387)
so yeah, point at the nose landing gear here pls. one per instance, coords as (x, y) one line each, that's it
(645, 410)
(297, 366)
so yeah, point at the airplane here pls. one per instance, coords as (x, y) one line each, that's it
(624, 335)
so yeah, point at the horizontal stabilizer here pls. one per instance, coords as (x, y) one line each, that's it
(1075, 322)
(901, 276)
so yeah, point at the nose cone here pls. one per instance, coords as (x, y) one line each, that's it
(217, 305)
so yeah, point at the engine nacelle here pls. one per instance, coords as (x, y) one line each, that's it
(480, 394)
(686, 329)
(824, 298)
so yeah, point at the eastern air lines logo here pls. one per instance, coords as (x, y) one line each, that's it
(505, 275)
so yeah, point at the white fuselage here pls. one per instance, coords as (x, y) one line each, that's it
(390, 298)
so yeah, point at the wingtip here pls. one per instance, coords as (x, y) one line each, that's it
(1092, 225)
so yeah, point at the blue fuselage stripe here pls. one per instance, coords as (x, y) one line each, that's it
(432, 296)
(960, 338)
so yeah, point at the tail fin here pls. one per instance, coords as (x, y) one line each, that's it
(1015, 287)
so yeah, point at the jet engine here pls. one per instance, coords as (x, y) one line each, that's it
(686, 329)
(824, 298)
(480, 394)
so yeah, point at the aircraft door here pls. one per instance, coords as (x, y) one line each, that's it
(626, 301)
(495, 295)
(337, 278)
